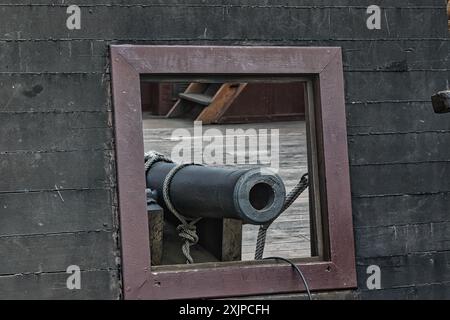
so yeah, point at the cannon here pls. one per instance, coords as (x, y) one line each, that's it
(210, 204)
(254, 196)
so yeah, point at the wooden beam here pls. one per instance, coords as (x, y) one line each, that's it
(156, 227)
(221, 102)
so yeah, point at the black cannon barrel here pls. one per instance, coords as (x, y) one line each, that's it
(255, 196)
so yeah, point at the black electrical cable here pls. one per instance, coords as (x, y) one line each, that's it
(296, 268)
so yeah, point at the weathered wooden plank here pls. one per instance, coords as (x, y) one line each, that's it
(292, 4)
(393, 86)
(403, 56)
(394, 117)
(221, 237)
(44, 92)
(402, 239)
(151, 20)
(58, 170)
(223, 22)
(432, 291)
(221, 102)
(402, 293)
(404, 209)
(399, 148)
(407, 270)
(156, 231)
(55, 212)
(396, 23)
(400, 179)
(95, 284)
(91, 56)
(54, 56)
(56, 252)
(55, 131)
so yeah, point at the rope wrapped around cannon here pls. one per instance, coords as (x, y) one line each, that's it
(254, 196)
(193, 191)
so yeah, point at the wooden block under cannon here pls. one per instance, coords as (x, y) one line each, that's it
(156, 228)
(219, 240)
(221, 237)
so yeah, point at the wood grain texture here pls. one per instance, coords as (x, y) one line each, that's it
(95, 285)
(222, 101)
(56, 211)
(44, 69)
(61, 92)
(56, 170)
(34, 132)
(317, 22)
(89, 56)
(55, 252)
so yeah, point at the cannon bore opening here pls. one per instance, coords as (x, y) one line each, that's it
(261, 196)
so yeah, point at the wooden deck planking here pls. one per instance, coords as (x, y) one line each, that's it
(289, 235)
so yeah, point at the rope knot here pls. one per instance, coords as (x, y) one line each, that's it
(188, 232)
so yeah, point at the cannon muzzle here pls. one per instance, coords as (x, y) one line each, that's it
(255, 196)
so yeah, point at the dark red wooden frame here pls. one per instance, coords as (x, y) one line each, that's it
(324, 66)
